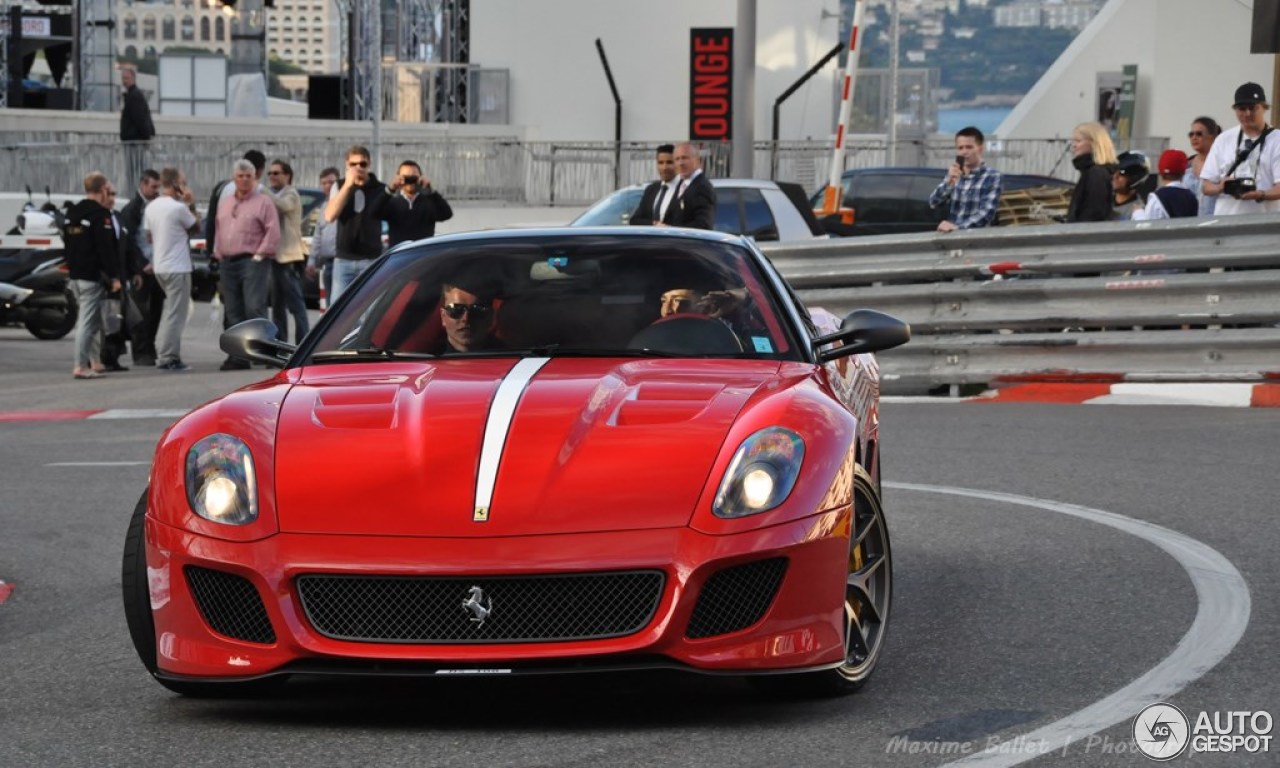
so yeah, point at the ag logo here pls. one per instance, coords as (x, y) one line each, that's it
(1161, 731)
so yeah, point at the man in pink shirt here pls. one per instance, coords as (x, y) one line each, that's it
(248, 234)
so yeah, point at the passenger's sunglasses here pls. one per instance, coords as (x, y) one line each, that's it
(1194, 134)
(456, 311)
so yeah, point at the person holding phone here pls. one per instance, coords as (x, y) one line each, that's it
(414, 207)
(357, 210)
(169, 222)
(971, 189)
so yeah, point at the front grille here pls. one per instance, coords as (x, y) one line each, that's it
(514, 609)
(736, 598)
(230, 605)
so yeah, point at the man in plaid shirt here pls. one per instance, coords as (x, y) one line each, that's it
(971, 188)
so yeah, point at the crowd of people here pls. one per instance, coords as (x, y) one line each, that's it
(1228, 172)
(131, 271)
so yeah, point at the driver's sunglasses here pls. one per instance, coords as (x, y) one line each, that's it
(456, 311)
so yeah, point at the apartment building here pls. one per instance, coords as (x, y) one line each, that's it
(303, 32)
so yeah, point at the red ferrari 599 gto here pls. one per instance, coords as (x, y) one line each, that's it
(530, 451)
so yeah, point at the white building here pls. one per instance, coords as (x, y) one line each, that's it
(1191, 55)
(1024, 14)
(303, 32)
(558, 88)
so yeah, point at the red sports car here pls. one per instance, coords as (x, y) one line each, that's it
(529, 451)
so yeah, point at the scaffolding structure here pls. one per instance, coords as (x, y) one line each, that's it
(95, 55)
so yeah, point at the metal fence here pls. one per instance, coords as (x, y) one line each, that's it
(1184, 299)
(497, 169)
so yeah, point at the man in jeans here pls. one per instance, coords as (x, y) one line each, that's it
(357, 208)
(93, 256)
(170, 220)
(248, 234)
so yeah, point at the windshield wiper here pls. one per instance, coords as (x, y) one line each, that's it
(367, 353)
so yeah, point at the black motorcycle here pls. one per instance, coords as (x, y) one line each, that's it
(35, 287)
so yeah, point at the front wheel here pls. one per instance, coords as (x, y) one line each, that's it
(868, 589)
(142, 630)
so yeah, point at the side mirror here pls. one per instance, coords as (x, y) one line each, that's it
(767, 233)
(862, 331)
(255, 340)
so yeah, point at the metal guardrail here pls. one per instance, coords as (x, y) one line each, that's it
(494, 168)
(1186, 299)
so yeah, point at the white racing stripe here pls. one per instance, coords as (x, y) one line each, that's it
(1221, 617)
(501, 412)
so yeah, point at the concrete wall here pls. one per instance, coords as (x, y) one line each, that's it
(559, 90)
(1191, 56)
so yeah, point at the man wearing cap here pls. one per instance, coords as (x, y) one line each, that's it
(1172, 200)
(1243, 166)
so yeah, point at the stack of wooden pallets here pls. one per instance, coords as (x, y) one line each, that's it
(1036, 205)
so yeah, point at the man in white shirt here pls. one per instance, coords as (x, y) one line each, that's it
(1243, 166)
(169, 221)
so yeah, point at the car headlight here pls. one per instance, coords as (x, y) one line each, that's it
(222, 485)
(762, 473)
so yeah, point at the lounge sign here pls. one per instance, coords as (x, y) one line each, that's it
(710, 84)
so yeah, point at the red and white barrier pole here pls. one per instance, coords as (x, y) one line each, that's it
(832, 194)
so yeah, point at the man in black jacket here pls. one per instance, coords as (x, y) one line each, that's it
(655, 203)
(695, 203)
(93, 257)
(357, 208)
(136, 128)
(413, 208)
(149, 298)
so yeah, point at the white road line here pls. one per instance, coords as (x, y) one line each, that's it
(501, 412)
(140, 413)
(1221, 618)
(99, 464)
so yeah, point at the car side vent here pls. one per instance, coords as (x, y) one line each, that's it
(230, 605)
(735, 598)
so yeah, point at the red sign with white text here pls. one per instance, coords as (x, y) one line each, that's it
(710, 84)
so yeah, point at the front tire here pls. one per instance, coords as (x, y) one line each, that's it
(142, 629)
(868, 593)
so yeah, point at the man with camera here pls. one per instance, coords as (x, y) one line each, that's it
(414, 207)
(971, 188)
(1244, 164)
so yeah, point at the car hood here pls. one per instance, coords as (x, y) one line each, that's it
(591, 445)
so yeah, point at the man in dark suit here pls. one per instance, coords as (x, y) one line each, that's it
(655, 203)
(695, 203)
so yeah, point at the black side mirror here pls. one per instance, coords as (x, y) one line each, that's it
(255, 340)
(765, 234)
(863, 330)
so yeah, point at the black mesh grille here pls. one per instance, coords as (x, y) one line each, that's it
(230, 604)
(736, 597)
(400, 609)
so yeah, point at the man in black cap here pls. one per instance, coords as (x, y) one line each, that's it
(1244, 164)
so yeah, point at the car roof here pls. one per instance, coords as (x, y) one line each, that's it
(546, 233)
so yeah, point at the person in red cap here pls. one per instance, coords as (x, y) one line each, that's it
(1243, 169)
(1172, 200)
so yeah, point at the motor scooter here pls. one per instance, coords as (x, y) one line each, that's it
(35, 288)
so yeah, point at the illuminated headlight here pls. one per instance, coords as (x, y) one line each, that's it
(762, 473)
(221, 483)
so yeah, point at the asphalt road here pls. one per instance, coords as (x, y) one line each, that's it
(1014, 614)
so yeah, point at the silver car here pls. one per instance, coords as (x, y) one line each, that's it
(765, 210)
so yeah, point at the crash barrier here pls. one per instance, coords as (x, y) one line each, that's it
(1186, 300)
(492, 168)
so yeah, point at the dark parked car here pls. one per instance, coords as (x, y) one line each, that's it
(889, 201)
(765, 210)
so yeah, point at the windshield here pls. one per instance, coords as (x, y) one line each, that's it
(612, 210)
(583, 295)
